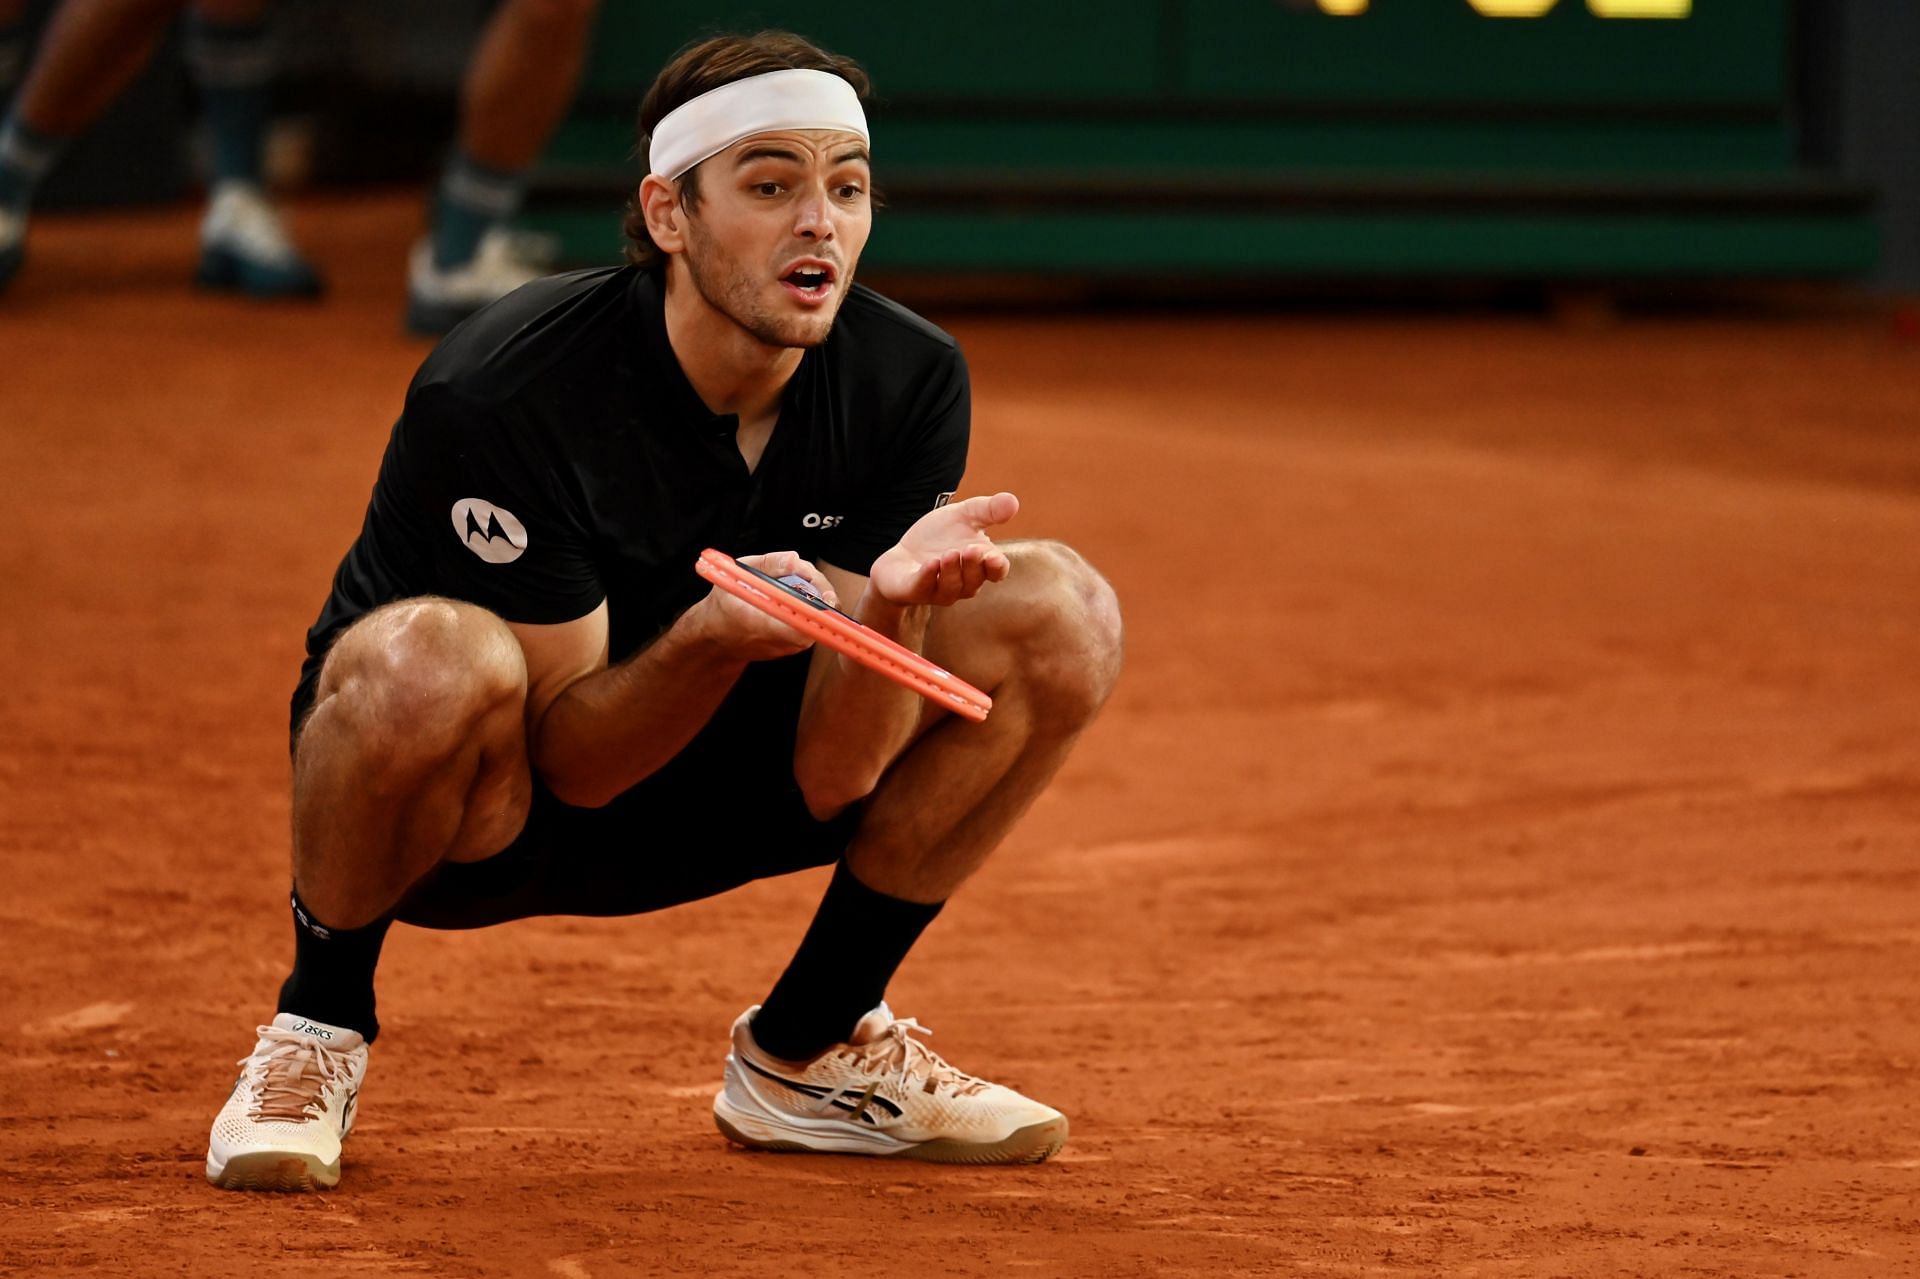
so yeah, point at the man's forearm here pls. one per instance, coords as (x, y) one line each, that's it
(615, 727)
(855, 721)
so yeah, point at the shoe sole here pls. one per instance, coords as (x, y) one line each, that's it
(1033, 1144)
(275, 1170)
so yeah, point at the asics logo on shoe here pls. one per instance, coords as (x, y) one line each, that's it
(492, 532)
(308, 1028)
(866, 1097)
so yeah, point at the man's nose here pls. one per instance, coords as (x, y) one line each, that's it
(813, 219)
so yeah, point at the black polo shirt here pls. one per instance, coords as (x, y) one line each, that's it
(552, 454)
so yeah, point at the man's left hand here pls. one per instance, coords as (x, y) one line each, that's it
(946, 556)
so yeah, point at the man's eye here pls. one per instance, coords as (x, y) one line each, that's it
(766, 188)
(851, 190)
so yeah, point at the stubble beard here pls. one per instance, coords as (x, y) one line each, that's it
(731, 291)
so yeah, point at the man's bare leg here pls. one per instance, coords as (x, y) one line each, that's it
(91, 51)
(518, 86)
(823, 1065)
(521, 79)
(414, 754)
(1047, 644)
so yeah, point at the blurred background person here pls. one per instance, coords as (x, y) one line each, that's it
(517, 86)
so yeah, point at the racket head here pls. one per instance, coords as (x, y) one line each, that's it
(821, 622)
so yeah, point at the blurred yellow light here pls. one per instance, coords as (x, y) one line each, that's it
(1641, 8)
(1512, 8)
(1538, 8)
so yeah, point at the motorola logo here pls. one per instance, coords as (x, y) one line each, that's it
(489, 531)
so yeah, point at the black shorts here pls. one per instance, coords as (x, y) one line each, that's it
(723, 812)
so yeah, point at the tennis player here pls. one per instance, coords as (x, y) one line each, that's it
(521, 700)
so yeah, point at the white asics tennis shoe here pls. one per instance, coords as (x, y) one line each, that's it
(440, 297)
(881, 1093)
(290, 1108)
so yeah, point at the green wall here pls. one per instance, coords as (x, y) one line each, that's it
(1267, 137)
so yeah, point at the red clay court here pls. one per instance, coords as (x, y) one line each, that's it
(1499, 858)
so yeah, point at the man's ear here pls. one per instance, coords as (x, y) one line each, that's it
(660, 203)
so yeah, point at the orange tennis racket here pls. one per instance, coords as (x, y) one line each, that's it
(794, 601)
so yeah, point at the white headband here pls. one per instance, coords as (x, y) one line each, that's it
(709, 124)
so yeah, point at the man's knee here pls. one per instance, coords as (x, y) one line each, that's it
(417, 678)
(1066, 627)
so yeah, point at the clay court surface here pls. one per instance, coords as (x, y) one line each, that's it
(1502, 856)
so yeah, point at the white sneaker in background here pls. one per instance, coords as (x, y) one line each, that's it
(537, 249)
(245, 248)
(439, 299)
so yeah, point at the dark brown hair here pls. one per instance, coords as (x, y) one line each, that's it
(702, 67)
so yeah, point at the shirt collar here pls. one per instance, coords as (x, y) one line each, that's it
(648, 296)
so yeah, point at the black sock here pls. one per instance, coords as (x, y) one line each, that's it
(332, 978)
(857, 939)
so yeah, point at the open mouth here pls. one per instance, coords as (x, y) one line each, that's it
(810, 280)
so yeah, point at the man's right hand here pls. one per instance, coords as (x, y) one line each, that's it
(743, 632)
